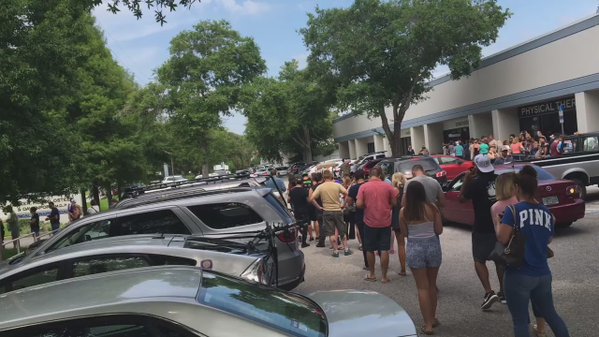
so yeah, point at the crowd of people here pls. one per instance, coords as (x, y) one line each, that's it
(377, 210)
(516, 147)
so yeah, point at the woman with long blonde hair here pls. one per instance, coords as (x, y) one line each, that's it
(398, 181)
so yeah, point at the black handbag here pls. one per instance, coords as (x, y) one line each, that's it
(511, 254)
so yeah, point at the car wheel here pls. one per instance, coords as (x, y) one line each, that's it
(581, 187)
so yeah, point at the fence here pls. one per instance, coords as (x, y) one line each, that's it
(16, 243)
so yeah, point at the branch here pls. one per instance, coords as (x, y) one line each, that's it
(385, 121)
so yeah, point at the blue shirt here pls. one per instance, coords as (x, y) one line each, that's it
(538, 226)
(459, 150)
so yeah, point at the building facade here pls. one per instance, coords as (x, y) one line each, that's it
(521, 88)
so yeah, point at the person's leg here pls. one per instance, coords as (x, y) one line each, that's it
(424, 298)
(391, 247)
(500, 269)
(483, 275)
(542, 299)
(401, 250)
(361, 234)
(384, 243)
(370, 247)
(517, 292)
(432, 290)
(304, 230)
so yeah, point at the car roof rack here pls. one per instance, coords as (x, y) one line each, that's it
(170, 191)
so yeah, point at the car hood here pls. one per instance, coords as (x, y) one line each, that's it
(363, 313)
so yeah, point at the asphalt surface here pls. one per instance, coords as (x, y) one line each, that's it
(575, 281)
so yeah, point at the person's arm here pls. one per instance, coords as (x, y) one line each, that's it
(505, 229)
(438, 222)
(360, 200)
(405, 188)
(312, 196)
(394, 195)
(402, 223)
(342, 190)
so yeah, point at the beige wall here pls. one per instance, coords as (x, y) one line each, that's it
(569, 58)
(587, 111)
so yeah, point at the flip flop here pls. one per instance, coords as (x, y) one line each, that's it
(436, 323)
(369, 278)
(385, 280)
(402, 273)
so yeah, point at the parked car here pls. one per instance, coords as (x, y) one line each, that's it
(188, 301)
(212, 214)
(136, 251)
(453, 165)
(562, 197)
(405, 164)
(363, 159)
(173, 179)
(261, 172)
(368, 165)
(282, 170)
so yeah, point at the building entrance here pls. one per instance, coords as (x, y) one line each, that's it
(544, 117)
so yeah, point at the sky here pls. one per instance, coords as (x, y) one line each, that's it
(142, 46)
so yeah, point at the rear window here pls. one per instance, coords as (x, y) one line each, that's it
(287, 312)
(225, 215)
(406, 166)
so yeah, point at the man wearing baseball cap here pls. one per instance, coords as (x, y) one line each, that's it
(479, 187)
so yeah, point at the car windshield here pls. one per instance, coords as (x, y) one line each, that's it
(289, 313)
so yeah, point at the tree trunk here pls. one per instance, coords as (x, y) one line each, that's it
(83, 201)
(108, 190)
(307, 155)
(205, 170)
(391, 134)
(96, 194)
(396, 140)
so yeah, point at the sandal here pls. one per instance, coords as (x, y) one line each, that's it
(402, 273)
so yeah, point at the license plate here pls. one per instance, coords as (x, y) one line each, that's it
(550, 201)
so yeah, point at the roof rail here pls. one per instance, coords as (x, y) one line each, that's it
(136, 191)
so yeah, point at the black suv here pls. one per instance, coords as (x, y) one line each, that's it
(405, 164)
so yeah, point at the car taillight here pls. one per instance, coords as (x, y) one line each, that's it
(572, 191)
(288, 236)
(441, 174)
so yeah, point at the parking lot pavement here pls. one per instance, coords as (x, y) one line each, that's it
(575, 281)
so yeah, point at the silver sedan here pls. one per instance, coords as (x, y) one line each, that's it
(186, 301)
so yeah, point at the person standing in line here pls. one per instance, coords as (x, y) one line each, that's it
(352, 196)
(316, 214)
(434, 192)
(479, 187)
(531, 281)
(298, 198)
(410, 151)
(459, 149)
(54, 218)
(13, 225)
(332, 216)
(34, 223)
(377, 198)
(399, 181)
(93, 208)
(74, 210)
(421, 223)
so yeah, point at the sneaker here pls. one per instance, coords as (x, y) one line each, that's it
(335, 254)
(347, 252)
(501, 297)
(304, 245)
(488, 300)
(320, 245)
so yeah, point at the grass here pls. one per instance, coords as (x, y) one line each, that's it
(8, 253)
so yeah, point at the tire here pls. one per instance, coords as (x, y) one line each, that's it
(582, 187)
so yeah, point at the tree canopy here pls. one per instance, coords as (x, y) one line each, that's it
(383, 53)
(137, 6)
(289, 114)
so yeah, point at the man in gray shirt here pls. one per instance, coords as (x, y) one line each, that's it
(434, 192)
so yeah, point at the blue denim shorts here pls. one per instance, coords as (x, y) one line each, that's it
(424, 253)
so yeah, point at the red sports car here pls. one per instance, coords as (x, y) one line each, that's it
(453, 165)
(562, 197)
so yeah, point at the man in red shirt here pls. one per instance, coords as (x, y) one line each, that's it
(377, 198)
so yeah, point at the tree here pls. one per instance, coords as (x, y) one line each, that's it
(203, 80)
(290, 114)
(382, 53)
(136, 6)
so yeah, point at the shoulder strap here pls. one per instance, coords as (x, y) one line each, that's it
(516, 219)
